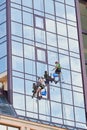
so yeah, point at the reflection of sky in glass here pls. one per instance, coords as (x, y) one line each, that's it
(70, 92)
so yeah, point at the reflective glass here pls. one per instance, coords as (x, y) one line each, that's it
(75, 78)
(39, 22)
(64, 61)
(60, 9)
(46, 107)
(27, 3)
(16, 15)
(71, 14)
(75, 64)
(66, 76)
(38, 4)
(3, 64)
(40, 36)
(30, 67)
(2, 16)
(70, 2)
(72, 32)
(18, 101)
(17, 48)
(62, 42)
(52, 57)
(3, 127)
(16, 29)
(41, 68)
(67, 96)
(16, 1)
(27, 18)
(41, 55)
(51, 39)
(61, 29)
(50, 25)
(29, 52)
(49, 6)
(56, 109)
(31, 104)
(2, 1)
(3, 28)
(18, 85)
(29, 86)
(78, 99)
(28, 32)
(68, 112)
(55, 94)
(73, 45)
(3, 49)
(80, 115)
(17, 63)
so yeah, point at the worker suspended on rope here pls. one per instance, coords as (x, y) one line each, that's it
(47, 78)
(57, 71)
(38, 87)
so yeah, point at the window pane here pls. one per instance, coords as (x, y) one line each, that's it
(70, 2)
(75, 78)
(31, 104)
(17, 48)
(71, 14)
(18, 85)
(29, 52)
(49, 6)
(72, 32)
(52, 57)
(51, 39)
(16, 15)
(27, 18)
(78, 99)
(50, 25)
(30, 67)
(28, 32)
(62, 42)
(67, 96)
(41, 55)
(56, 109)
(61, 29)
(64, 61)
(12, 128)
(18, 101)
(17, 63)
(80, 115)
(3, 28)
(68, 112)
(39, 22)
(38, 4)
(16, 29)
(55, 94)
(3, 49)
(60, 10)
(27, 3)
(41, 68)
(40, 36)
(3, 64)
(75, 64)
(2, 16)
(74, 45)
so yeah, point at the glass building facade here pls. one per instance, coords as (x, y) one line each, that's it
(41, 32)
(3, 37)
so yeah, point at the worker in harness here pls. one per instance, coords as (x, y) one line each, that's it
(38, 87)
(57, 73)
